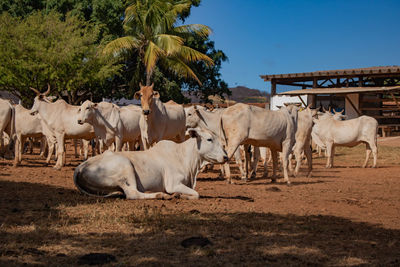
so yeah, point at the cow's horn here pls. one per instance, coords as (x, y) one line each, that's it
(48, 90)
(36, 91)
(342, 111)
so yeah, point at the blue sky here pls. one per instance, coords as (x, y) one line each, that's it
(283, 36)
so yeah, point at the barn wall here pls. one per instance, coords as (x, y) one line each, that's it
(278, 101)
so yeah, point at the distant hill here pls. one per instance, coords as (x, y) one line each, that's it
(244, 94)
(240, 94)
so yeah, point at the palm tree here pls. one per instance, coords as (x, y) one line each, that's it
(153, 35)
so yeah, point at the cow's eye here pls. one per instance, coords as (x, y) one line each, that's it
(79, 110)
(189, 114)
(209, 140)
(87, 108)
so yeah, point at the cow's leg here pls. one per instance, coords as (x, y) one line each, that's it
(308, 153)
(263, 155)
(274, 156)
(43, 146)
(188, 193)
(238, 159)
(60, 151)
(367, 155)
(51, 144)
(17, 150)
(254, 163)
(374, 149)
(297, 153)
(85, 145)
(329, 151)
(230, 151)
(118, 143)
(145, 142)
(286, 149)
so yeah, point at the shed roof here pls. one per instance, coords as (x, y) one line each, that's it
(342, 90)
(383, 70)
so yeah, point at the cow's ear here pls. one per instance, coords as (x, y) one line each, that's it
(94, 105)
(137, 95)
(156, 94)
(193, 132)
(314, 112)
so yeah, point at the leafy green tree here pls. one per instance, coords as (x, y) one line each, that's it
(43, 49)
(153, 37)
(105, 14)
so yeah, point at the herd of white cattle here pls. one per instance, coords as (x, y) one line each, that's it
(176, 142)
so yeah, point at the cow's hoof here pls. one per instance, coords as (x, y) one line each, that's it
(289, 183)
(57, 168)
(176, 195)
(167, 196)
(230, 182)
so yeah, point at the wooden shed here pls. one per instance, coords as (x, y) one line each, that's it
(371, 91)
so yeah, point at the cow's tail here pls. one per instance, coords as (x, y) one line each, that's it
(12, 127)
(88, 191)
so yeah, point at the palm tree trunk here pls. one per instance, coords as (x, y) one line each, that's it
(148, 77)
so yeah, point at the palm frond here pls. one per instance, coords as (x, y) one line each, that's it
(120, 45)
(169, 43)
(152, 54)
(180, 69)
(191, 55)
(197, 29)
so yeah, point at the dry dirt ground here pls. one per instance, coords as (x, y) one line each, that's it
(345, 216)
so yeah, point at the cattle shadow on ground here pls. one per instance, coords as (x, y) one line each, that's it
(248, 199)
(246, 238)
(21, 202)
(211, 179)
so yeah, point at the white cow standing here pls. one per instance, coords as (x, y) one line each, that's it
(61, 118)
(27, 125)
(329, 132)
(245, 124)
(167, 167)
(112, 123)
(159, 121)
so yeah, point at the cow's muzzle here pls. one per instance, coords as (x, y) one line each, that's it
(33, 113)
(80, 122)
(146, 111)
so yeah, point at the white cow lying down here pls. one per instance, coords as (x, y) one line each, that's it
(168, 167)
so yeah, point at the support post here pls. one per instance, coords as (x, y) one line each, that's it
(353, 106)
